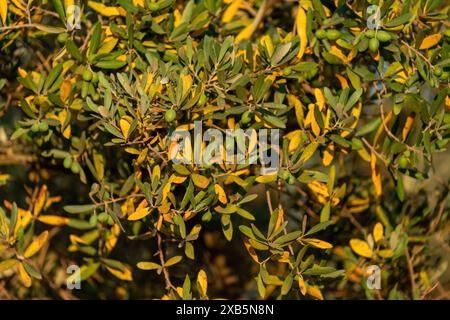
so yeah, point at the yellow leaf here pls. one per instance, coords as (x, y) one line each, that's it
(376, 176)
(22, 72)
(378, 232)
(200, 181)
(408, 125)
(386, 253)
(36, 245)
(187, 83)
(267, 178)
(39, 204)
(54, 220)
(105, 10)
(301, 21)
(112, 239)
(122, 275)
(202, 282)
(124, 127)
(7, 264)
(319, 98)
(3, 11)
(108, 45)
(314, 291)
(361, 248)
(318, 243)
(231, 11)
(280, 218)
(245, 33)
(64, 90)
(24, 277)
(301, 284)
(328, 155)
(250, 250)
(139, 214)
(430, 41)
(221, 193)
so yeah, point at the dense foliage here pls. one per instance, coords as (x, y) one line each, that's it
(86, 179)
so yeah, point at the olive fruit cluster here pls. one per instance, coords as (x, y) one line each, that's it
(371, 40)
(41, 126)
(72, 164)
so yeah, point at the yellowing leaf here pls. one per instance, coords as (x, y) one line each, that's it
(301, 284)
(267, 178)
(386, 253)
(105, 10)
(54, 220)
(408, 125)
(24, 277)
(361, 248)
(318, 243)
(124, 127)
(139, 214)
(3, 11)
(250, 250)
(245, 33)
(301, 21)
(200, 181)
(376, 176)
(202, 281)
(64, 90)
(122, 275)
(148, 265)
(39, 204)
(430, 41)
(231, 11)
(36, 245)
(378, 232)
(328, 155)
(221, 193)
(315, 292)
(7, 264)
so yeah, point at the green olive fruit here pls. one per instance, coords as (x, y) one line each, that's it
(374, 44)
(444, 76)
(103, 217)
(67, 163)
(321, 34)
(437, 71)
(287, 71)
(370, 33)
(62, 37)
(110, 220)
(333, 34)
(383, 36)
(402, 162)
(43, 126)
(94, 77)
(87, 75)
(170, 115)
(363, 44)
(35, 127)
(75, 168)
